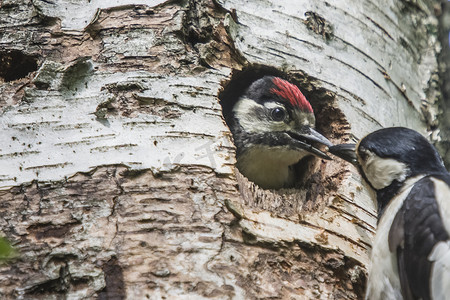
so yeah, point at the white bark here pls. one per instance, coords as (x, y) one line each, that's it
(117, 169)
(63, 133)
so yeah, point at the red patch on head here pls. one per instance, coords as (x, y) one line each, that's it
(291, 93)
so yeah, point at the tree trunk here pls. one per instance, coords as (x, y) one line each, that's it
(117, 175)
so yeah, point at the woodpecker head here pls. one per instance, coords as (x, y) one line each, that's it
(391, 155)
(273, 129)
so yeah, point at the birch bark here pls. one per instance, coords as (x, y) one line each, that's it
(117, 176)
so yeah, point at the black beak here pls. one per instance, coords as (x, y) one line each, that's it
(305, 137)
(345, 151)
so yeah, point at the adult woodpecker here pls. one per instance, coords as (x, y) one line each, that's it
(272, 125)
(411, 251)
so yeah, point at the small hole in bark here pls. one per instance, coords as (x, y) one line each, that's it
(315, 177)
(15, 65)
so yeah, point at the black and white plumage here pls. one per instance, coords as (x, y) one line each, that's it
(272, 125)
(411, 251)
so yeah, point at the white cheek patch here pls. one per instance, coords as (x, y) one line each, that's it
(382, 171)
(246, 111)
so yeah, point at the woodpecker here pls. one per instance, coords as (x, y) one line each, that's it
(411, 251)
(272, 126)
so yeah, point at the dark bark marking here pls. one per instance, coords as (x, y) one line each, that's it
(380, 27)
(319, 25)
(115, 285)
(43, 231)
(16, 64)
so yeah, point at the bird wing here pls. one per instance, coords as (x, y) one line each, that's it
(417, 231)
(440, 256)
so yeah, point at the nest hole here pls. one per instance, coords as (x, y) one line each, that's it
(315, 177)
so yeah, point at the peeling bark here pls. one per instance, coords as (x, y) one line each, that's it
(117, 175)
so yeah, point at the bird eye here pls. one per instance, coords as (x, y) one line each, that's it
(278, 114)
